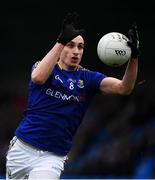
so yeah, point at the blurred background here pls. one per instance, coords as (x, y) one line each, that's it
(117, 136)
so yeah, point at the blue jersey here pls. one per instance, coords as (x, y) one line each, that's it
(56, 109)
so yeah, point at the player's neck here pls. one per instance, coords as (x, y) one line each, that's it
(66, 67)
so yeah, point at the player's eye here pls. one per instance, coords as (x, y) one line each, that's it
(70, 45)
(80, 46)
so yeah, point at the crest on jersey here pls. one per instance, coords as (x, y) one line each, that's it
(80, 83)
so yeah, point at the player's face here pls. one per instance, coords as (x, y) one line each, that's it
(72, 53)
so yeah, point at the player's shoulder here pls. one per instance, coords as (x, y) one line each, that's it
(81, 68)
(92, 73)
(86, 70)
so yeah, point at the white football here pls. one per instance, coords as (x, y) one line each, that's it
(112, 49)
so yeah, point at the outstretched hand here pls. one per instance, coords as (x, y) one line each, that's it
(133, 42)
(68, 30)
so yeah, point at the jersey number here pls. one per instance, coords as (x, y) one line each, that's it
(71, 85)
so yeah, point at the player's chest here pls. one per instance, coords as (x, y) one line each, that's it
(71, 83)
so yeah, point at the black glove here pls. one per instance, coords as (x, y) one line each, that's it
(68, 30)
(133, 42)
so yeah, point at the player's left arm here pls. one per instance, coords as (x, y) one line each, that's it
(110, 85)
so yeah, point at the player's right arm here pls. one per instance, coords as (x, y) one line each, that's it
(68, 32)
(44, 68)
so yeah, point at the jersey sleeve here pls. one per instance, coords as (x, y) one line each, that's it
(35, 65)
(95, 79)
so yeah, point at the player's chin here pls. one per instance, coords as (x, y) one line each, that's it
(74, 63)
